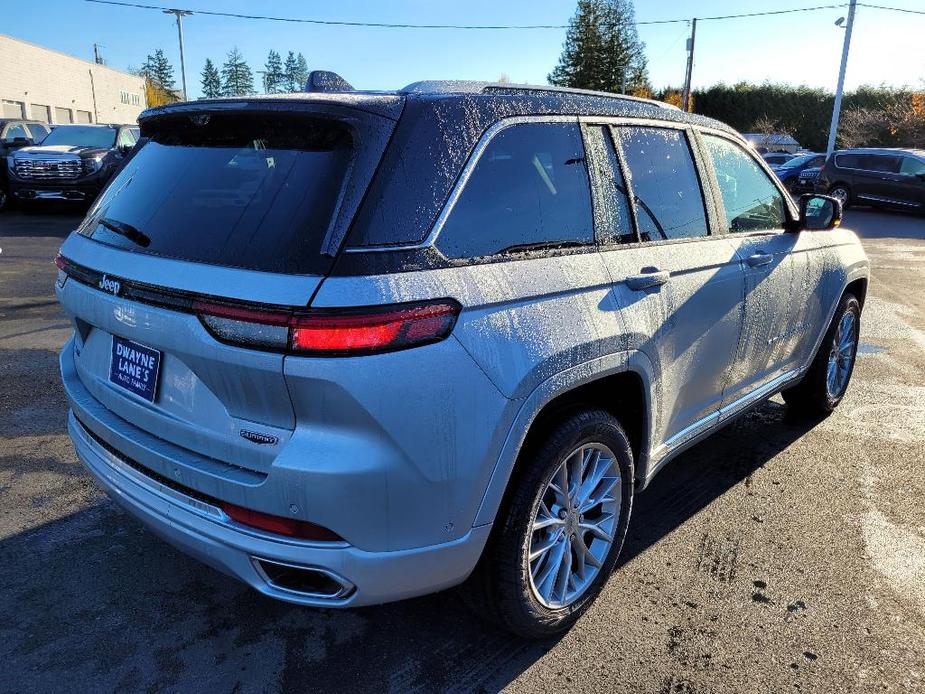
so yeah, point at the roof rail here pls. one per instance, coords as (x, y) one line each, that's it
(476, 87)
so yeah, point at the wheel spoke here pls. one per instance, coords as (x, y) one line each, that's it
(601, 494)
(540, 548)
(564, 573)
(545, 518)
(546, 578)
(589, 558)
(594, 527)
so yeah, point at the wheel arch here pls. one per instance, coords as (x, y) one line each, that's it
(620, 384)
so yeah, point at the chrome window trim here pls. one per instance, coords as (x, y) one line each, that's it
(460, 184)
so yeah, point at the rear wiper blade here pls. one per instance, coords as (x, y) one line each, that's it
(542, 246)
(126, 230)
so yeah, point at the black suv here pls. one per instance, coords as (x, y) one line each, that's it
(883, 177)
(73, 163)
(15, 134)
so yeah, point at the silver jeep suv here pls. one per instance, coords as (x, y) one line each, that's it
(355, 347)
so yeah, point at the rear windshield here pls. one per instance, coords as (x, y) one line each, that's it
(240, 190)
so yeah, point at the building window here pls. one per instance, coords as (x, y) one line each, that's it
(84, 117)
(123, 96)
(136, 100)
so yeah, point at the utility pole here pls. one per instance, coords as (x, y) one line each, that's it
(686, 94)
(179, 15)
(836, 109)
(97, 58)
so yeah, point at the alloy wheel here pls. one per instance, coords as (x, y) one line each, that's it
(840, 194)
(842, 355)
(573, 525)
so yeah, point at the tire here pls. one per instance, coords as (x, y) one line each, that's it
(842, 193)
(505, 587)
(816, 394)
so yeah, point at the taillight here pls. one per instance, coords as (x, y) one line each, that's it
(291, 527)
(348, 332)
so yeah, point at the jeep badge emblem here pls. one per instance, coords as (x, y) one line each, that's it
(255, 437)
(108, 285)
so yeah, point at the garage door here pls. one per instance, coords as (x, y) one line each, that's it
(40, 113)
(11, 109)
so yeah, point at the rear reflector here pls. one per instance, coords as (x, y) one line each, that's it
(342, 333)
(291, 527)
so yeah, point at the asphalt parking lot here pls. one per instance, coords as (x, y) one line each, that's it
(776, 556)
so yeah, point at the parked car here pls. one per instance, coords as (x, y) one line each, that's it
(355, 347)
(73, 162)
(15, 134)
(789, 172)
(777, 158)
(806, 181)
(893, 178)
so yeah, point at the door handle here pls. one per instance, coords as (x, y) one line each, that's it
(646, 280)
(758, 259)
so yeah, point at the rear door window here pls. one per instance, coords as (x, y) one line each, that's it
(752, 201)
(912, 167)
(529, 189)
(241, 190)
(668, 197)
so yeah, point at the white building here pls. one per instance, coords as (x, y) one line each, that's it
(44, 85)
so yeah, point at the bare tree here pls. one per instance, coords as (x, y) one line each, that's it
(768, 129)
(898, 124)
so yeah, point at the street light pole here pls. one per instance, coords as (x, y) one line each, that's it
(836, 109)
(179, 15)
(688, 73)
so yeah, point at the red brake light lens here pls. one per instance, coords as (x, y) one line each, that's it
(291, 527)
(373, 332)
(349, 333)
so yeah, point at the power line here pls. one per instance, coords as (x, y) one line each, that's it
(492, 27)
(892, 9)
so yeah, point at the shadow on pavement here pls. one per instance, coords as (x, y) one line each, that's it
(95, 601)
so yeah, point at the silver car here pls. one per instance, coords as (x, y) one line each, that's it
(355, 347)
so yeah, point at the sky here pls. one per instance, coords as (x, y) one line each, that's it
(801, 48)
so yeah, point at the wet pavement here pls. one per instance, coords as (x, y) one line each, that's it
(776, 556)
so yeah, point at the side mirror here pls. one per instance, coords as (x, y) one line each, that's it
(819, 212)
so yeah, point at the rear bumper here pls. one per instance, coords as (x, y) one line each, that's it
(204, 532)
(803, 186)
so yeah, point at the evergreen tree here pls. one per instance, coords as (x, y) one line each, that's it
(159, 70)
(289, 74)
(273, 77)
(602, 49)
(237, 78)
(211, 81)
(300, 75)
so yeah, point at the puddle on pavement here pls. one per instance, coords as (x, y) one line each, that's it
(868, 348)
